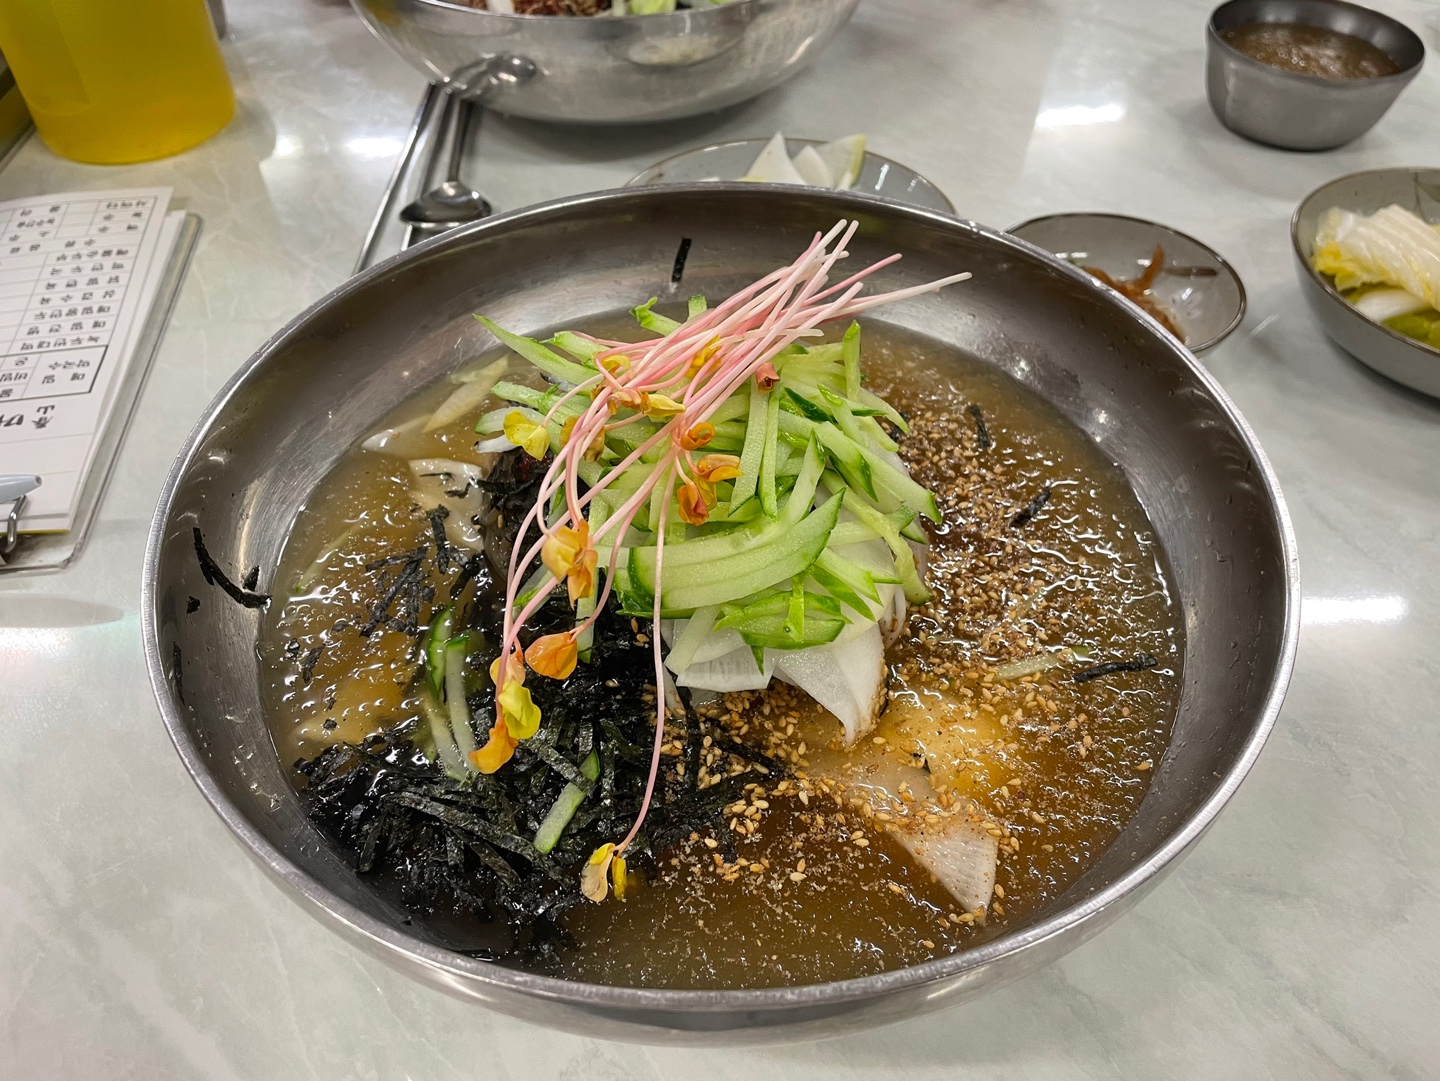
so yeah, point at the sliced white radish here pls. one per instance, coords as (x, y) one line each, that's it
(733, 671)
(468, 396)
(846, 677)
(844, 158)
(774, 166)
(386, 439)
(812, 167)
(960, 853)
(444, 482)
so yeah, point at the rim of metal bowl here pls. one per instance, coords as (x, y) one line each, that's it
(1329, 286)
(1234, 274)
(1404, 74)
(391, 939)
(686, 13)
(635, 181)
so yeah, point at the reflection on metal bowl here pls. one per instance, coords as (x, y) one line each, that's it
(606, 70)
(258, 454)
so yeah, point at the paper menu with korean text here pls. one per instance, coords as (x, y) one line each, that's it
(78, 274)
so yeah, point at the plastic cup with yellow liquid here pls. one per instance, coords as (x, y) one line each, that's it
(117, 81)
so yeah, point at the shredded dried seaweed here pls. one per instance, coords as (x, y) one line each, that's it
(214, 576)
(1135, 664)
(1031, 509)
(982, 433)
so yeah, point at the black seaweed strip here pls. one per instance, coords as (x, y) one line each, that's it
(307, 666)
(1135, 664)
(1031, 509)
(471, 824)
(693, 747)
(402, 580)
(252, 579)
(192, 606)
(437, 530)
(681, 254)
(493, 860)
(563, 766)
(216, 577)
(394, 561)
(468, 567)
(982, 433)
(750, 754)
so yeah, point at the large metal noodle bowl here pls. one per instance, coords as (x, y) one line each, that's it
(324, 381)
(606, 70)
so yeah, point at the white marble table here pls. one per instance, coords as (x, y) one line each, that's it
(1300, 940)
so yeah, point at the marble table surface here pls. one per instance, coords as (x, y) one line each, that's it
(1301, 939)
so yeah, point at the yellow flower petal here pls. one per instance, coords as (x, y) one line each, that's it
(497, 751)
(520, 713)
(581, 579)
(698, 436)
(617, 876)
(554, 655)
(717, 467)
(564, 547)
(693, 507)
(524, 432)
(658, 405)
(592, 877)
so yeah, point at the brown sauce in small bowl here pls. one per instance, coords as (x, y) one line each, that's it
(1311, 50)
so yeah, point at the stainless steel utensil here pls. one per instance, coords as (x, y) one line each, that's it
(1303, 112)
(609, 70)
(1389, 352)
(15, 489)
(257, 455)
(450, 203)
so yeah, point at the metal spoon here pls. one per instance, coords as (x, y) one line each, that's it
(451, 203)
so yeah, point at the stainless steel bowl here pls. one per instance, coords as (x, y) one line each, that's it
(1304, 112)
(1389, 352)
(323, 382)
(604, 69)
(732, 160)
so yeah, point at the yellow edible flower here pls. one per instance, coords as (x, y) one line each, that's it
(717, 467)
(617, 877)
(694, 507)
(597, 444)
(520, 714)
(592, 877)
(554, 655)
(524, 432)
(567, 555)
(698, 436)
(497, 751)
(658, 405)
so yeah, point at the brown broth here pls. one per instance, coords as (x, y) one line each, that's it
(1059, 767)
(1311, 50)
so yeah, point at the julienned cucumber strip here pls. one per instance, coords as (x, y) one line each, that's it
(915, 591)
(785, 552)
(751, 453)
(848, 455)
(652, 320)
(547, 360)
(581, 348)
(682, 651)
(552, 827)
(850, 356)
(697, 304)
(771, 445)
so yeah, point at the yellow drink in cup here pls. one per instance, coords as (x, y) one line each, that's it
(116, 81)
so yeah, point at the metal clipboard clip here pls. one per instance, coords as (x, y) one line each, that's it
(15, 490)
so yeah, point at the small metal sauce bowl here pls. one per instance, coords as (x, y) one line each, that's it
(1200, 292)
(1304, 112)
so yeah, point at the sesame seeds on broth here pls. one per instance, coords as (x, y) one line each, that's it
(812, 877)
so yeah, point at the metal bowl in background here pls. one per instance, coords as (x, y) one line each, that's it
(323, 382)
(1403, 359)
(1304, 112)
(609, 70)
(1197, 288)
(730, 161)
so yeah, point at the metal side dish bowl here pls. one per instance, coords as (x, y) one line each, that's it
(321, 383)
(1392, 354)
(603, 69)
(1296, 111)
